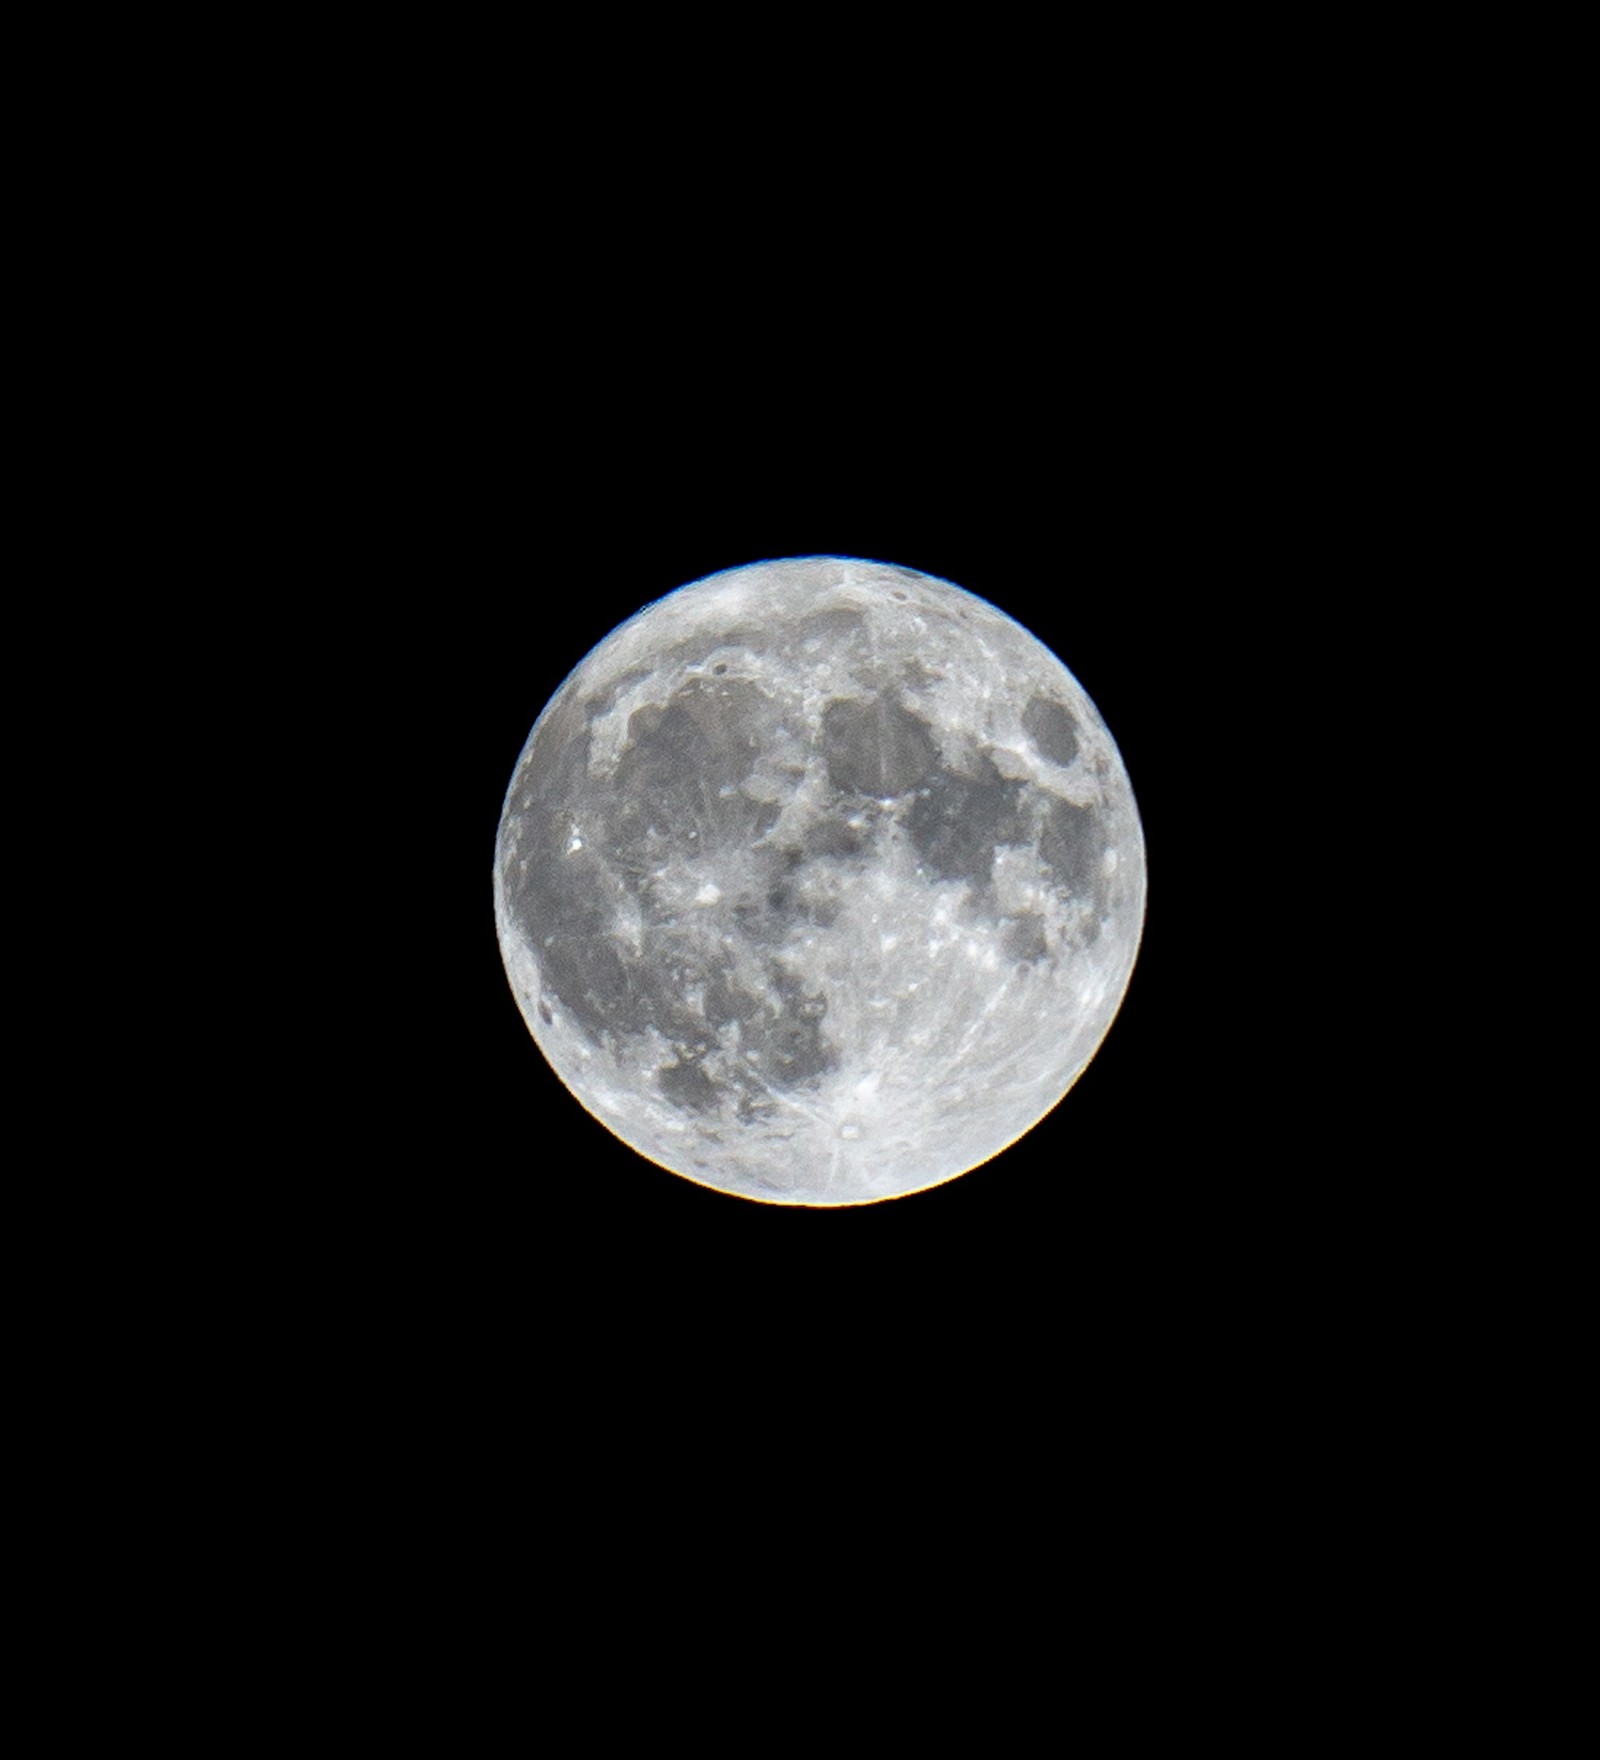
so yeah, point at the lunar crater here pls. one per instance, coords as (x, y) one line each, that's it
(1051, 729)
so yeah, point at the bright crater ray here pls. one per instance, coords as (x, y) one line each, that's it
(819, 881)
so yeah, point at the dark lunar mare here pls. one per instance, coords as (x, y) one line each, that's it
(1051, 729)
(560, 899)
(676, 789)
(1024, 938)
(675, 794)
(957, 821)
(876, 746)
(1072, 846)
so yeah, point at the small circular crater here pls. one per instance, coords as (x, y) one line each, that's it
(720, 668)
(850, 1131)
(897, 594)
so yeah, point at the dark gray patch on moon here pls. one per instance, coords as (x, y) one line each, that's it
(958, 822)
(1072, 845)
(562, 892)
(584, 969)
(759, 921)
(1024, 938)
(875, 746)
(667, 967)
(715, 724)
(676, 785)
(725, 1002)
(687, 1085)
(1051, 729)
(836, 836)
(730, 1048)
(793, 1051)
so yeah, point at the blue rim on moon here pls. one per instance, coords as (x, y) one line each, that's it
(819, 881)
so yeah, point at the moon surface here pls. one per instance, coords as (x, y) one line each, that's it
(819, 881)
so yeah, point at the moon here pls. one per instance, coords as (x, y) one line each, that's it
(819, 881)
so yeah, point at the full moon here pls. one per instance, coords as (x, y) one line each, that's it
(819, 881)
